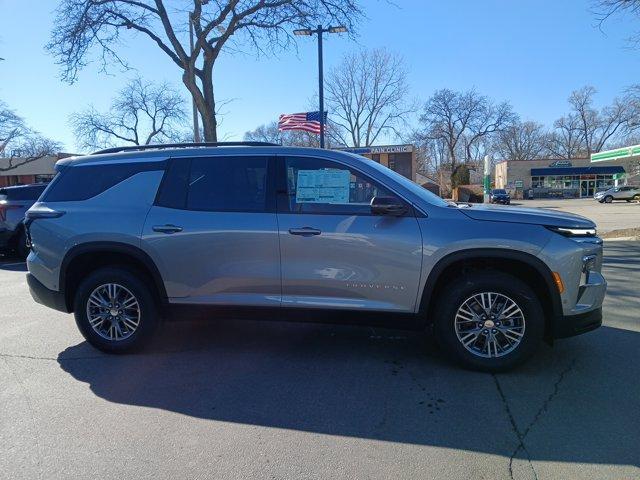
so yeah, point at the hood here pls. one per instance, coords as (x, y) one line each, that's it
(535, 216)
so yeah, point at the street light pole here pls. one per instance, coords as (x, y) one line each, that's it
(319, 31)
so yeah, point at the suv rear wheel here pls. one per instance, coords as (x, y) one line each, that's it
(114, 310)
(489, 321)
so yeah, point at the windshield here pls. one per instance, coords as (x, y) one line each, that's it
(405, 182)
(499, 191)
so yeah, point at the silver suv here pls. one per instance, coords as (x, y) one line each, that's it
(627, 193)
(125, 237)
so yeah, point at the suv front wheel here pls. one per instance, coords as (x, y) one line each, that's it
(114, 310)
(489, 321)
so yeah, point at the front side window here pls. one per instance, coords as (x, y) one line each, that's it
(325, 187)
(232, 184)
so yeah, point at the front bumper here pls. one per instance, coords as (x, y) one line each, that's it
(572, 325)
(46, 297)
(588, 308)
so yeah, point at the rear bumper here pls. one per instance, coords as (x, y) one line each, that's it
(5, 238)
(46, 297)
(572, 325)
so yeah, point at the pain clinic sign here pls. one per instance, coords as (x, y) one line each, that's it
(379, 149)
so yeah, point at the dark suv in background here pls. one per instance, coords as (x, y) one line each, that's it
(500, 195)
(14, 202)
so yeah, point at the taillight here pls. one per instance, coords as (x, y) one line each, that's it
(4, 206)
(38, 210)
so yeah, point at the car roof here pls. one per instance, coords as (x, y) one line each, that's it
(163, 153)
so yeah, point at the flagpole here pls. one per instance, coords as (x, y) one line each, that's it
(320, 31)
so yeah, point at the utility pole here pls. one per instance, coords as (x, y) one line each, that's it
(319, 31)
(486, 179)
(196, 126)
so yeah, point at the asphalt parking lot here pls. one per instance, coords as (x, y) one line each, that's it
(287, 401)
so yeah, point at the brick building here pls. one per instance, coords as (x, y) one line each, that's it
(21, 171)
(399, 158)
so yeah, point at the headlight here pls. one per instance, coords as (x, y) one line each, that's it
(574, 232)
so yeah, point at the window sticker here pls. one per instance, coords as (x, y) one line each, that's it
(323, 186)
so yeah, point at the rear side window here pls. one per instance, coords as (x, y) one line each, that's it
(83, 182)
(216, 184)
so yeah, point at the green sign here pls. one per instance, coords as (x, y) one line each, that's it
(616, 154)
(618, 176)
(519, 183)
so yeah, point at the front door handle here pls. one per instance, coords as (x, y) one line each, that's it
(167, 228)
(305, 231)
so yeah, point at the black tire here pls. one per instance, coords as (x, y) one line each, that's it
(636, 198)
(608, 199)
(458, 291)
(134, 283)
(22, 251)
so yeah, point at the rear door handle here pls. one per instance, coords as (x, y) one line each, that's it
(305, 231)
(167, 228)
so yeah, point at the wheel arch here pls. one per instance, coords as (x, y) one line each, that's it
(87, 257)
(529, 268)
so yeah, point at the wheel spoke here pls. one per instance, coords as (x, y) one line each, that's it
(501, 324)
(113, 312)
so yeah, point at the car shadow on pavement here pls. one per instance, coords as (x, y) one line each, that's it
(577, 402)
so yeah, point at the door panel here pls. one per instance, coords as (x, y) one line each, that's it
(334, 252)
(213, 231)
(356, 262)
(218, 257)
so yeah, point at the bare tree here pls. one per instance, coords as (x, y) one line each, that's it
(599, 127)
(608, 8)
(82, 26)
(522, 141)
(366, 95)
(566, 140)
(20, 144)
(141, 113)
(458, 120)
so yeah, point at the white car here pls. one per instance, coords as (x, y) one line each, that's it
(627, 193)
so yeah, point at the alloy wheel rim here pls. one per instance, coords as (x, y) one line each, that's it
(489, 324)
(113, 312)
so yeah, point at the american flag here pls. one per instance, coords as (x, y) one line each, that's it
(307, 121)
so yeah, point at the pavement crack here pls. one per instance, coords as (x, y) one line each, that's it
(521, 435)
(516, 430)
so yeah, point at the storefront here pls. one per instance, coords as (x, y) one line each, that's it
(575, 178)
(574, 181)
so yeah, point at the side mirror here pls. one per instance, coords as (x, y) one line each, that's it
(387, 206)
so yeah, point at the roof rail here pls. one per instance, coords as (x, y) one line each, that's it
(160, 146)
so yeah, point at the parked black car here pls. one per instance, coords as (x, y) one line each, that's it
(500, 195)
(14, 202)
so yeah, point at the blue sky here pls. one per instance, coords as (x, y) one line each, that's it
(532, 54)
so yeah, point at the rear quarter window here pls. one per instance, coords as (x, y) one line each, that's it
(82, 182)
